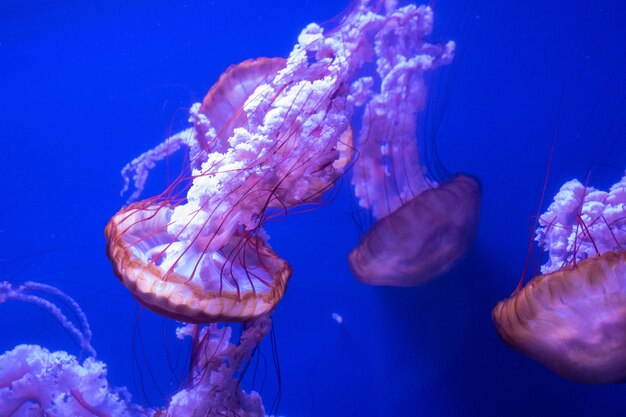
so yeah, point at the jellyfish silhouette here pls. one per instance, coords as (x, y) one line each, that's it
(572, 318)
(422, 228)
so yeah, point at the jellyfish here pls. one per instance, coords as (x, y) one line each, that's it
(422, 228)
(572, 317)
(271, 135)
(207, 259)
(36, 381)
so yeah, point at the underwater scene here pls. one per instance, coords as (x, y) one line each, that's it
(312, 208)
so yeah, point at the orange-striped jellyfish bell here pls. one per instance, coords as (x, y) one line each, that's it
(572, 318)
(271, 135)
(422, 228)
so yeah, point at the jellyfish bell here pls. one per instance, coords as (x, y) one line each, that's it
(572, 318)
(164, 276)
(422, 239)
(222, 105)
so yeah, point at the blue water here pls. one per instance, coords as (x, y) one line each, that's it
(87, 86)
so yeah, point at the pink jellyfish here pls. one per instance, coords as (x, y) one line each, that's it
(35, 381)
(572, 318)
(422, 228)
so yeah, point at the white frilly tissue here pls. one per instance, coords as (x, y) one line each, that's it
(582, 222)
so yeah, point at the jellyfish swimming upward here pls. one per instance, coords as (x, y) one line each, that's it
(572, 318)
(273, 134)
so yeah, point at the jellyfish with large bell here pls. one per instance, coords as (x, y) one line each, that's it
(572, 317)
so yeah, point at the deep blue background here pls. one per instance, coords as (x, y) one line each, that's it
(87, 86)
